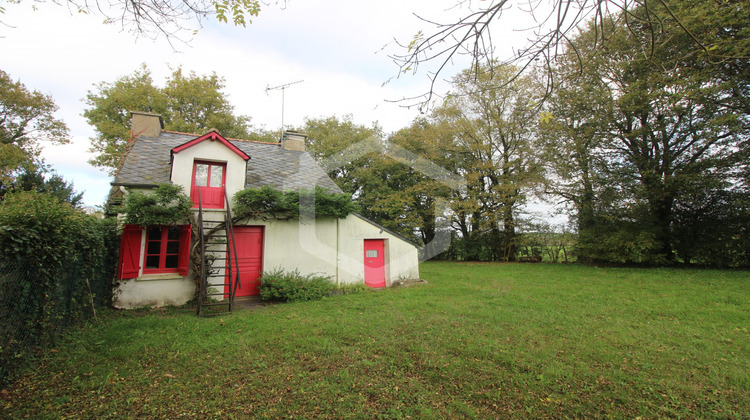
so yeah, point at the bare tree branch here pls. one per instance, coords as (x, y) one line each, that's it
(556, 22)
(170, 19)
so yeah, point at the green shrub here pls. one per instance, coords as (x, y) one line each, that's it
(166, 205)
(56, 262)
(268, 202)
(281, 286)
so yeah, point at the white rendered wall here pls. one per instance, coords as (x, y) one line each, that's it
(307, 247)
(154, 290)
(182, 165)
(333, 248)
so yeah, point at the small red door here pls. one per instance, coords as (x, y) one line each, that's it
(208, 177)
(374, 263)
(250, 259)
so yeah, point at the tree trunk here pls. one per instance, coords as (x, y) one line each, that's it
(586, 219)
(509, 228)
(661, 212)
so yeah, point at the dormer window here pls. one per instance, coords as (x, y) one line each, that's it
(209, 175)
(208, 178)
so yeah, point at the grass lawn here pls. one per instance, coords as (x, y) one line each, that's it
(481, 340)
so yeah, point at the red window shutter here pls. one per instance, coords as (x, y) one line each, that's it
(184, 258)
(130, 252)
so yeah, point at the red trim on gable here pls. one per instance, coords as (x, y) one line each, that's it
(213, 136)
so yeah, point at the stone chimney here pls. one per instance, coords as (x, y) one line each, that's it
(145, 124)
(292, 140)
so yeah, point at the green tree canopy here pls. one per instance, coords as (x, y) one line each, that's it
(27, 121)
(27, 118)
(492, 115)
(338, 145)
(188, 103)
(41, 178)
(650, 133)
(716, 31)
(407, 188)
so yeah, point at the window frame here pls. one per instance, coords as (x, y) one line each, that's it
(219, 190)
(133, 252)
(210, 164)
(163, 248)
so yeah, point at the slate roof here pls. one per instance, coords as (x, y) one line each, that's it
(148, 164)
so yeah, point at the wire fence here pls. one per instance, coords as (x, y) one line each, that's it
(35, 311)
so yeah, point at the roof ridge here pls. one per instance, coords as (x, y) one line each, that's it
(227, 138)
(180, 132)
(255, 141)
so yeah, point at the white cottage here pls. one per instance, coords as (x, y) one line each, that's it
(154, 261)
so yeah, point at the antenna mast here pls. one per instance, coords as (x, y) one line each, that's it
(283, 89)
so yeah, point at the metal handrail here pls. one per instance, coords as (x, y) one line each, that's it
(203, 285)
(230, 231)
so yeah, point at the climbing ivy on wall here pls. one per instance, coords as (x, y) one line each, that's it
(267, 202)
(166, 205)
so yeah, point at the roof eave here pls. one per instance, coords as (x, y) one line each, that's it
(132, 185)
(385, 229)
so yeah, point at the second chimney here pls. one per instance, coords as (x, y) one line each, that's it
(292, 140)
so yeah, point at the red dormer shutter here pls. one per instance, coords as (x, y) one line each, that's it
(130, 252)
(183, 265)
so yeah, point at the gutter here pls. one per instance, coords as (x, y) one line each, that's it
(128, 185)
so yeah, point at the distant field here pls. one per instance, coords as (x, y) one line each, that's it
(481, 340)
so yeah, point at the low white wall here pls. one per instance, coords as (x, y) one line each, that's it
(138, 293)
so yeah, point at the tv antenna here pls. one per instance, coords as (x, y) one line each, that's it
(283, 89)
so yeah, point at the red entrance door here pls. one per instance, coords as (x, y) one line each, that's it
(250, 258)
(208, 177)
(374, 263)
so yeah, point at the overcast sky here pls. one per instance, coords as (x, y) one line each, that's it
(339, 48)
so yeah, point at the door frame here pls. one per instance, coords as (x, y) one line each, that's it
(193, 187)
(262, 255)
(386, 260)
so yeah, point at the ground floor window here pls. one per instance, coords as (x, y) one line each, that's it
(162, 249)
(166, 249)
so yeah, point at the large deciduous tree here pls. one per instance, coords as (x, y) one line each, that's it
(27, 118)
(188, 103)
(41, 178)
(27, 121)
(419, 174)
(669, 124)
(493, 117)
(341, 145)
